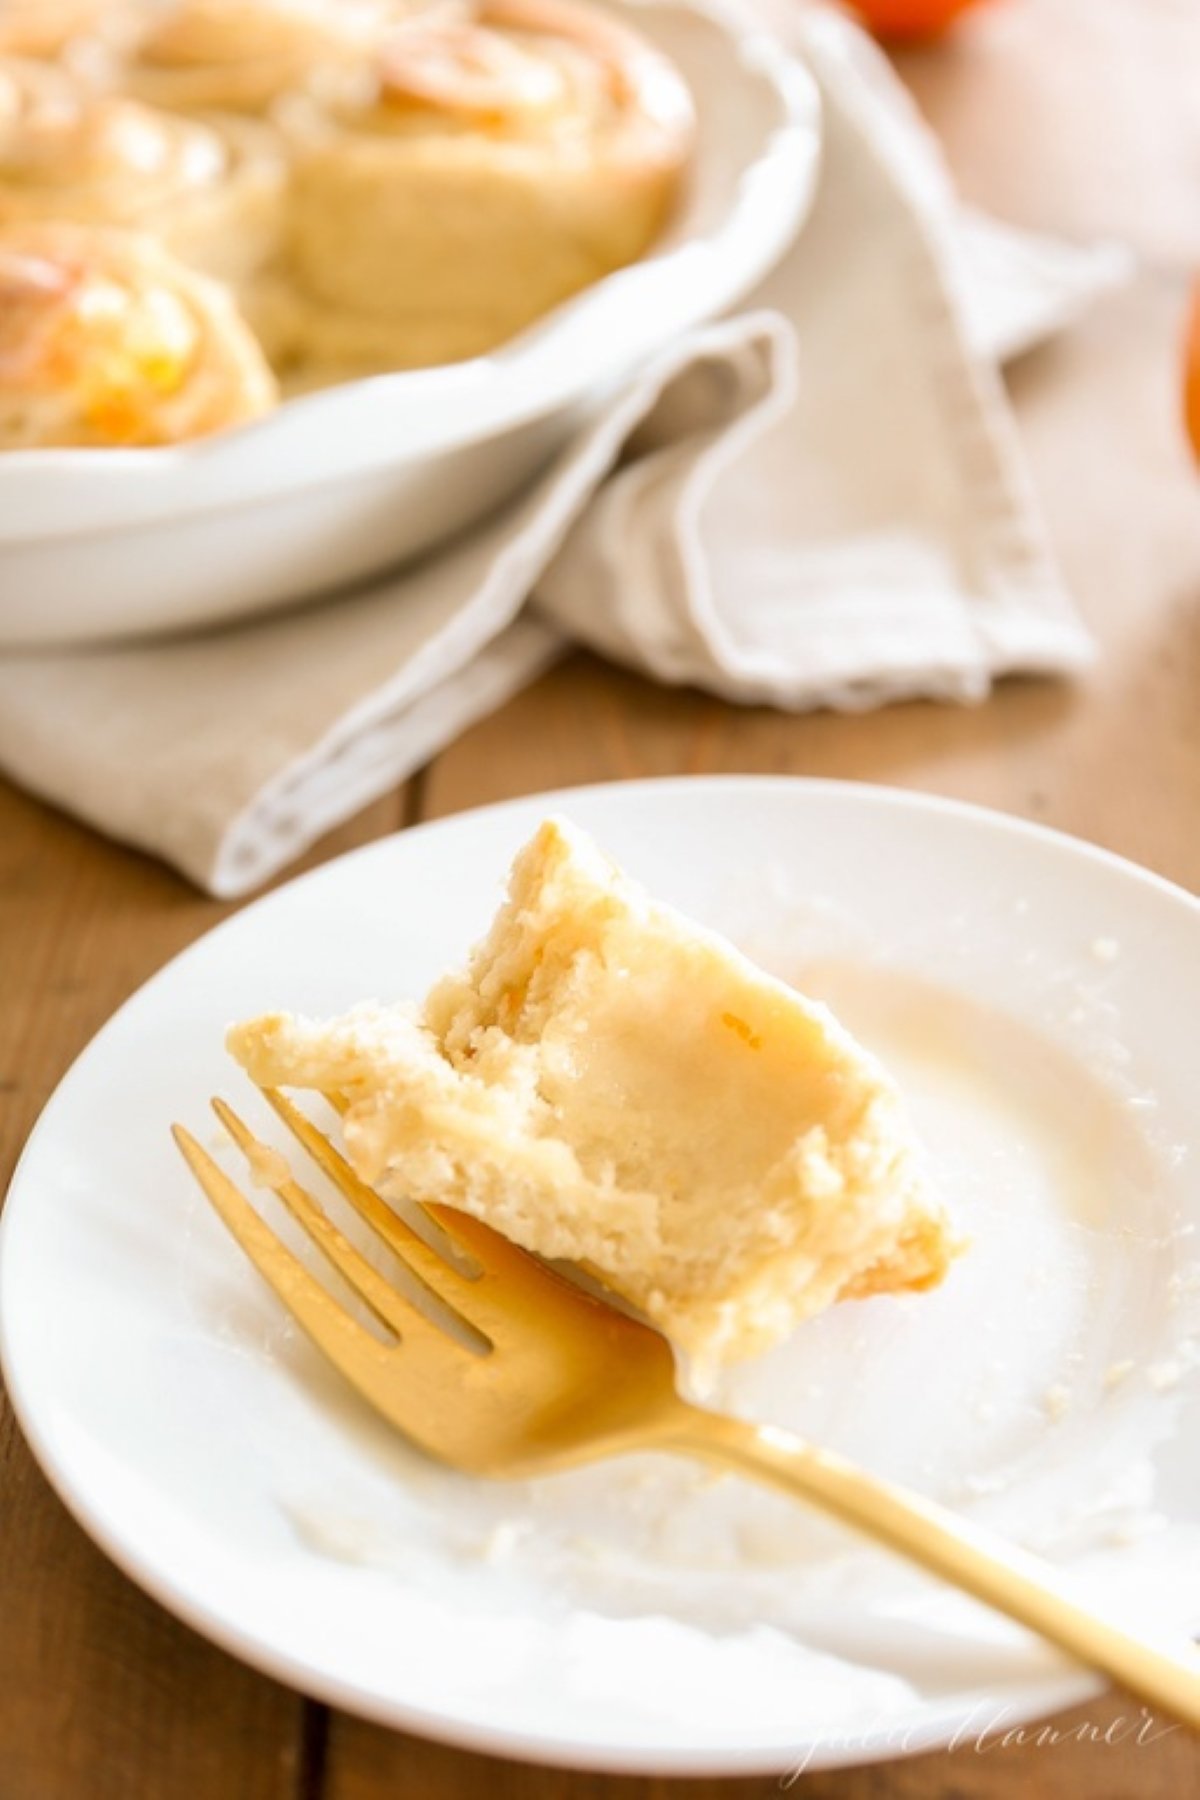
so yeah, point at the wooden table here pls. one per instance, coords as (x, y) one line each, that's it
(103, 1696)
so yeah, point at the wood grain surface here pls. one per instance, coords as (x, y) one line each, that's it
(103, 1696)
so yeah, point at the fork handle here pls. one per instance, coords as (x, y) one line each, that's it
(986, 1566)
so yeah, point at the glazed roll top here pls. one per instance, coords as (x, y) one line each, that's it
(484, 165)
(67, 150)
(213, 191)
(239, 55)
(106, 339)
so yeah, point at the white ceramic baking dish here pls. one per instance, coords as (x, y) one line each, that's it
(101, 545)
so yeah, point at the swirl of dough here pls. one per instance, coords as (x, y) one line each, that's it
(213, 191)
(45, 27)
(546, 67)
(105, 339)
(240, 55)
(480, 168)
(471, 77)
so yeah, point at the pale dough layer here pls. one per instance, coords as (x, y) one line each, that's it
(483, 169)
(610, 1083)
(211, 190)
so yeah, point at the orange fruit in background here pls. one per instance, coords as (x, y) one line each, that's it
(898, 19)
(1191, 375)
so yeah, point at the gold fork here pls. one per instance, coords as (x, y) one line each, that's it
(563, 1378)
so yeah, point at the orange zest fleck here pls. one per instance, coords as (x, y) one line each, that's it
(740, 1029)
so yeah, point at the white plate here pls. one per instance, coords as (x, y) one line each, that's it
(335, 486)
(1039, 1000)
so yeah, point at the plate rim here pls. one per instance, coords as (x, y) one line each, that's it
(938, 1724)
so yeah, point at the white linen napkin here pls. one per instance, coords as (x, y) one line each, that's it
(818, 502)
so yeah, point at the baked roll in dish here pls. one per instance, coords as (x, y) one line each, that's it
(236, 55)
(487, 163)
(213, 191)
(609, 1083)
(46, 27)
(106, 339)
